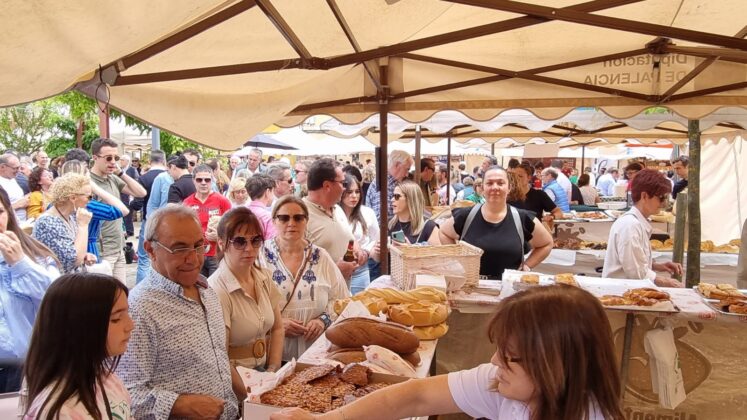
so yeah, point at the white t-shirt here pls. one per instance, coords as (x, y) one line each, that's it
(367, 241)
(471, 392)
(15, 193)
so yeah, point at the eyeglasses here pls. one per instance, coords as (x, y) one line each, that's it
(110, 158)
(197, 249)
(290, 181)
(203, 180)
(14, 168)
(240, 242)
(300, 171)
(192, 162)
(88, 196)
(397, 196)
(285, 218)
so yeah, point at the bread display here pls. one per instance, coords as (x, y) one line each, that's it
(433, 332)
(358, 332)
(393, 296)
(707, 246)
(566, 278)
(642, 297)
(530, 278)
(656, 245)
(375, 305)
(419, 314)
(739, 307)
(726, 249)
(322, 388)
(721, 291)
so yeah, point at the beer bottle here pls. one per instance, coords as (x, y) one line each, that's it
(349, 254)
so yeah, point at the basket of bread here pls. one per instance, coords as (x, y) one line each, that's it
(459, 263)
(724, 298)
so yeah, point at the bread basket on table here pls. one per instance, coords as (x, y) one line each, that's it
(459, 263)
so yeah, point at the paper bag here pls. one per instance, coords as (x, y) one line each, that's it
(664, 361)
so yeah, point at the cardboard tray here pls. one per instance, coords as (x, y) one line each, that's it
(259, 411)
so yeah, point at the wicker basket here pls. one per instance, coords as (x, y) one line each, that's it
(409, 260)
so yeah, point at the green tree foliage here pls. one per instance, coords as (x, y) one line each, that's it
(27, 128)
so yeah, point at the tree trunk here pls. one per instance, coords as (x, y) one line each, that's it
(79, 134)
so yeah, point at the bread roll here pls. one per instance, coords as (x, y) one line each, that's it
(432, 332)
(358, 332)
(566, 278)
(735, 242)
(419, 314)
(393, 296)
(530, 278)
(373, 304)
(346, 356)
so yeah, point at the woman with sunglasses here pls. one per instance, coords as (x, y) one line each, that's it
(554, 359)
(365, 228)
(307, 277)
(407, 209)
(64, 227)
(250, 301)
(628, 253)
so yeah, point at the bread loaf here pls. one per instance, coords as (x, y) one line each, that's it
(357, 355)
(419, 314)
(358, 332)
(393, 296)
(432, 332)
(373, 304)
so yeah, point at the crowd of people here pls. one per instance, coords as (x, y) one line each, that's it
(242, 268)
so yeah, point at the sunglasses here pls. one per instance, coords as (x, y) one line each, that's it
(290, 181)
(192, 163)
(203, 180)
(397, 196)
(285, 218)
(239, 243)
(110, 158)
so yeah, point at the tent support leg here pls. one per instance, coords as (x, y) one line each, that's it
(382, 170)
(693, 204)
(448, 168)
(417, 154)
(155, 139)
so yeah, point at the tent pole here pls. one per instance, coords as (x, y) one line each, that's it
(155, 139)
(448, 168)
(381, 170)
(693, 204)
(492, 149)
(417, 154)
(583, 158)
(103, 110)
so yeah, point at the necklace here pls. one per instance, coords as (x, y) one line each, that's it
(68, 223)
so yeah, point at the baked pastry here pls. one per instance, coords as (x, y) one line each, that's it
(359, 332)
(392, 296)
(431, 333)
(530, 278)
(725, 286)
(739, 307)
(614, 300)
(566, 278)
(735, 242)
(419, 314)
(656, 244)
(355, 374)
(707, 246)
(646, 292)
(726, 249)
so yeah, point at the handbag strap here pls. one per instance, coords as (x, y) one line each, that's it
(519, 229)
(470, 218)
(298, 278)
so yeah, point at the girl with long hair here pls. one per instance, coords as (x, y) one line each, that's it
(39, 182)
(407, 210)
(27, 268)
(82, 328)
(554, 359)
(364, 225)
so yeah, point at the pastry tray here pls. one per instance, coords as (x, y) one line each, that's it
(712, 303)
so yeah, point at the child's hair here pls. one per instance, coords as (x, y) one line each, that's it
(68, 345)
(563, 339)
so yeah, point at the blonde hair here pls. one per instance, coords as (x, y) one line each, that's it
(237, 184)
(67, 186)
(415, 204)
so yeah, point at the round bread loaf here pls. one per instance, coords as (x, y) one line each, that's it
(375, 305)
(431, 333)
(419, 314)
(393, 296)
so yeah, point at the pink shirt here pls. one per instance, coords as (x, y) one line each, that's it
(265, 219)
(116, 393)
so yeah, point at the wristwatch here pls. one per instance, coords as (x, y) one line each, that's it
(325, 319)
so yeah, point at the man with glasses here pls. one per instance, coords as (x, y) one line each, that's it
(398, 165)
(281, 173)
(209, 206)
(107, 175)
(427, 170)
(181, 173)
(176, 364)
(260, 188)
(193, 158)
(328, 226)
(9, 168)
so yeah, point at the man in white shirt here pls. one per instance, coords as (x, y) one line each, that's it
(606, 183)
(9, 167)
(443, 181)
(562, 179)
(628, 253)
